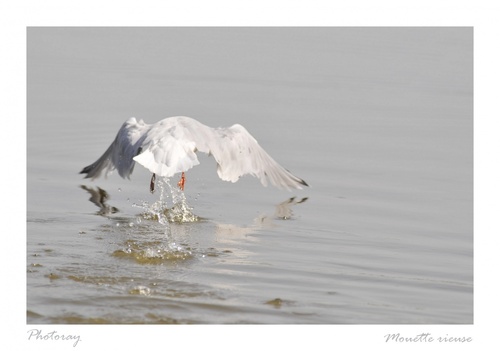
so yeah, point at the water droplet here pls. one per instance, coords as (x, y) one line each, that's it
(140, 290)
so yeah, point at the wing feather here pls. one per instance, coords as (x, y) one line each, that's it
(238, 153)
(120, 153)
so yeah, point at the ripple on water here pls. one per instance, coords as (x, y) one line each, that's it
(148, 318)
(278, 302)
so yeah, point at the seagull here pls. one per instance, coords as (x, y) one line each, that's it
(169, 147)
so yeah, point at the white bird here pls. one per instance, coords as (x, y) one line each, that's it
(170, 145)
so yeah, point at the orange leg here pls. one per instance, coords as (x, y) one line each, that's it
(181, 182)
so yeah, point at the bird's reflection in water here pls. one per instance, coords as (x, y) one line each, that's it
(99, 197)
(230, 233)
(284, 209)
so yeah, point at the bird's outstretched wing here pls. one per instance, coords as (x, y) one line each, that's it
(121, 152)
(238, 153)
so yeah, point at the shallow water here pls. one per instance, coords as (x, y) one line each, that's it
(377, 121)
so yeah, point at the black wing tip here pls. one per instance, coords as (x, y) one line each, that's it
(86, 171)
(297, 179)
(303, 182)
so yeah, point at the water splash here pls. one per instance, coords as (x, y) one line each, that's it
(179, 212)
(153, 252)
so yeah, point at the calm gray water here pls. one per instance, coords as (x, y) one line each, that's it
(377, 120)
